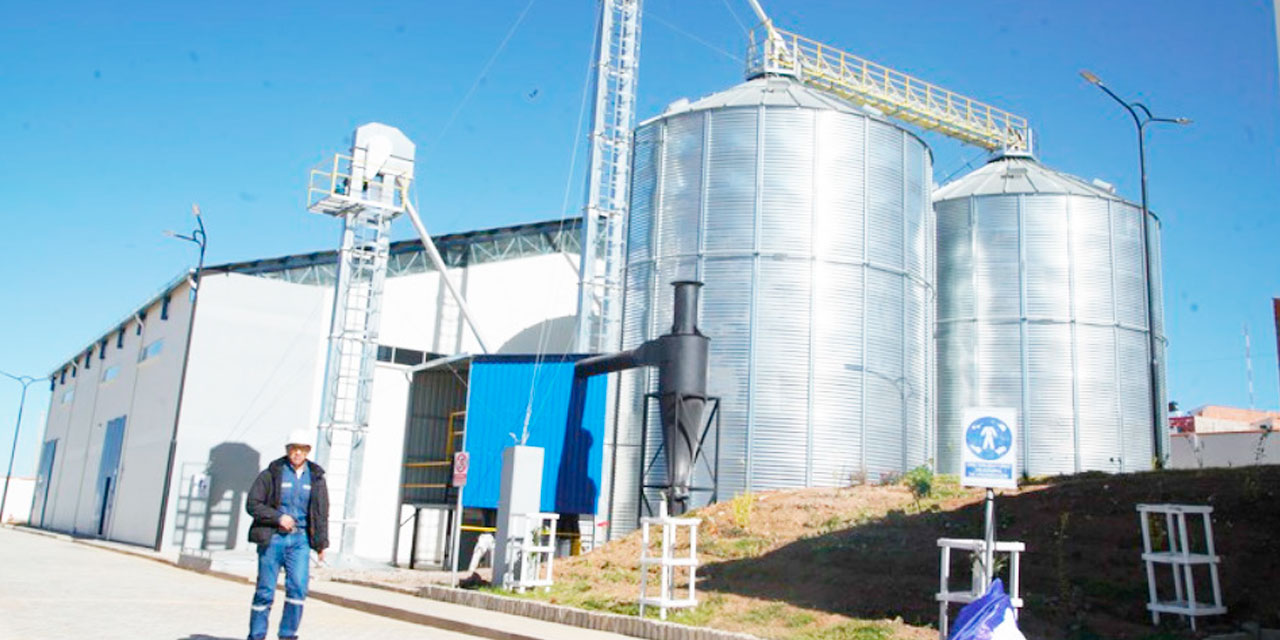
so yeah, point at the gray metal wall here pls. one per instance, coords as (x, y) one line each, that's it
(1043, 306)
(813, 232)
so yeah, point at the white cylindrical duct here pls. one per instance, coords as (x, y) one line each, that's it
(1043, 306)
(809, 220)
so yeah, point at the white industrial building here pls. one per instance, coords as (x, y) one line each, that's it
(136, 451)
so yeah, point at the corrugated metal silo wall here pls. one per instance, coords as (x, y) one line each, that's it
(813, 232)
(1043, 307)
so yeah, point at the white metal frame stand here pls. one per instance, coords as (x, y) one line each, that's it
(536, 551)
(1181, 560)
(981, 578)
(667, 561)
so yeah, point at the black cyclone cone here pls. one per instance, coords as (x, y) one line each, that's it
(682, 392)
(681, 357)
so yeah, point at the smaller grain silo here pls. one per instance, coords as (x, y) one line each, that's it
(1049, 301)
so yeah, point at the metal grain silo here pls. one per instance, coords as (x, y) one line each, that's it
(809, 221)
(1044, 305)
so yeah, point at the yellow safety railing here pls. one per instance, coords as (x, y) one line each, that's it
(330, 188)
(899, 95)
(450, 447)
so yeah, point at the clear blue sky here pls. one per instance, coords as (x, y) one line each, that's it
(119, 117)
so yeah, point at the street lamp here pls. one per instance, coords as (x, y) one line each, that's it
(1141, 120)
(25, 381)
(199, 238)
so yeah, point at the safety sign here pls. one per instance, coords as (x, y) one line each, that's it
(989, 448)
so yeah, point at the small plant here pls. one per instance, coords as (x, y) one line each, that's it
(742, 509)
(920, 481)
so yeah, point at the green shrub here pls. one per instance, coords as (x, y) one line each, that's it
(920, 481)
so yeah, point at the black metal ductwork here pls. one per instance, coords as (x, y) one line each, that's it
(681, 359)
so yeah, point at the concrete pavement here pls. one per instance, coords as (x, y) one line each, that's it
(53, 587)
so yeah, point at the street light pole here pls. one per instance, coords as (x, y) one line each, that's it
(1141, 121)
(25, 381)
(198, 238)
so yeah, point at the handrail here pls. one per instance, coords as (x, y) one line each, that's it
(900, 95)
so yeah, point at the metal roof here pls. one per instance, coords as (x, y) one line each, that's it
(1019, 174)
(318, 268)
(772, 91)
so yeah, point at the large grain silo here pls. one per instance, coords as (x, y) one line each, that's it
(809, 221)
(1044, 305)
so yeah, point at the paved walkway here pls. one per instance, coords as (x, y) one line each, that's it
(52, 587)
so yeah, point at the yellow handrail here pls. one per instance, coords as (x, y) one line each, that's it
(898, 94)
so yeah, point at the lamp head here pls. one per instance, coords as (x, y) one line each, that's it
(1088, 75)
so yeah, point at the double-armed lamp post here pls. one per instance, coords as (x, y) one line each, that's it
(1142, 117)
(25, 381)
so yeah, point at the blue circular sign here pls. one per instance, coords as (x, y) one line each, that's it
(988, 438)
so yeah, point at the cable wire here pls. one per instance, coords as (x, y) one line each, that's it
(483, 72)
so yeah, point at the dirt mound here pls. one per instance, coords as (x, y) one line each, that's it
(862, 562)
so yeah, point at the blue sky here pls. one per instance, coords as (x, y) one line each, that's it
(119, 117)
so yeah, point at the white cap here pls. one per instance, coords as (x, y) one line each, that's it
(300, 436)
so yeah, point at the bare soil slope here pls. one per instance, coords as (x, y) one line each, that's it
(862, 562)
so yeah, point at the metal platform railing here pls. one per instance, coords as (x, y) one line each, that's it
(899, 95)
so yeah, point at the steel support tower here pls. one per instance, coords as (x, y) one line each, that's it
(617, 61)
(366, 190)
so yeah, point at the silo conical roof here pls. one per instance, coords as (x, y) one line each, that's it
(770, 91)
(1019, 174)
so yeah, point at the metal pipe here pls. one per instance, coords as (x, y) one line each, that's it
(1141, 123)
(430, 247)
(681, 357)
(25, 381)
(199, 238)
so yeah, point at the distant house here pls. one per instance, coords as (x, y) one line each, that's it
(1218, 436)
(1219, 419)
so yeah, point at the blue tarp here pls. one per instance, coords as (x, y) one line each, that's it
(500, 390)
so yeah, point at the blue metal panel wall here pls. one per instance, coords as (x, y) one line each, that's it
(501, 390)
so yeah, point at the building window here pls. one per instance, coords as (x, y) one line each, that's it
(68, 395)
(88, 358)
(102, 349)
(53, 383)
(120, 338)
(111, 373)
(73, 370)
(152, 350)
(63, 378)
(164, 308)
(142, 318)
(384, 353)
(410, 357)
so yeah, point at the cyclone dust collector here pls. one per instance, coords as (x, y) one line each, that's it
(681, 359)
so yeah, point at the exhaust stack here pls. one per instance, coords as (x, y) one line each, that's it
(681, 357)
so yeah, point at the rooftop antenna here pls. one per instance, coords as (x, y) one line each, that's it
(1248, 365)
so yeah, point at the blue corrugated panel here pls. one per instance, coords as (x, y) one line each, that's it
(501, 390)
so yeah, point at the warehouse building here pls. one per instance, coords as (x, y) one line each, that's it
(153, 436)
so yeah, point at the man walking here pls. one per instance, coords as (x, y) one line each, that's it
(289, 502)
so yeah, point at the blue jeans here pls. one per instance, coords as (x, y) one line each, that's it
(291, 551)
